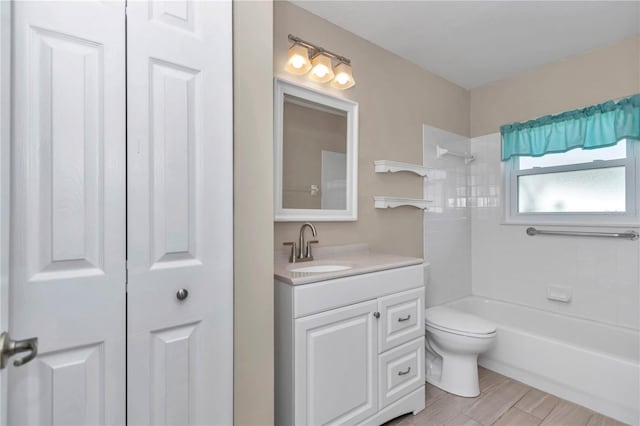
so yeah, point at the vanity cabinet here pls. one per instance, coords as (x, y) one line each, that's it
(350, 350)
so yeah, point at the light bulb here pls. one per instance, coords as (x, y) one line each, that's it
(322, 70)
(344, 77)
(298, 60)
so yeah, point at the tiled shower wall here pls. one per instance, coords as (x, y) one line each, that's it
(508, 265)
(471, 250)
(447, 226)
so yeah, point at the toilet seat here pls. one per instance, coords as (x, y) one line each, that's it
(452, 321)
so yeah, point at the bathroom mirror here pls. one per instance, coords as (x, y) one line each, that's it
(316, 155)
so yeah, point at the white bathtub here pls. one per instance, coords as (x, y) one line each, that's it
(590, 363)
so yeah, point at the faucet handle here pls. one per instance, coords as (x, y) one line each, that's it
(292, 256)
(308, 254)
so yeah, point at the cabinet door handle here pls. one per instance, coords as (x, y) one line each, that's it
(407, 318)
(402, 373)
(376, 314)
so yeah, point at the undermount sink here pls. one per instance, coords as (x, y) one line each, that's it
(321, 268)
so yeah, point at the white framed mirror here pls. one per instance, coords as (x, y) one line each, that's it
(315, 155)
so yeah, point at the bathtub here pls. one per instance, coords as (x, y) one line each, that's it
(592, 364)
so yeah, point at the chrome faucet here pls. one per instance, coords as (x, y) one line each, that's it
(303, 252)
(307, 247)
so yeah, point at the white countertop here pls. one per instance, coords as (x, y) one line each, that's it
(356, 256)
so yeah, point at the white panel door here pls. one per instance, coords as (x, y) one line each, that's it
(5, 187)
(67, 283)
(335, 360)
(180, 363)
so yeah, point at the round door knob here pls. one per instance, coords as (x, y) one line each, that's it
(182, 294)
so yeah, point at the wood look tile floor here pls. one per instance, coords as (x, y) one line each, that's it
(502, 401)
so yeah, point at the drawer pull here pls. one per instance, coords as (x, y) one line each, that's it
(402, 373)
(407, 318)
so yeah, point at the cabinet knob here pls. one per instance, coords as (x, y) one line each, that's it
(182, 294)
(376, 314)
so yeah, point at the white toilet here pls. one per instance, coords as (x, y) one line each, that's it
(454, 340)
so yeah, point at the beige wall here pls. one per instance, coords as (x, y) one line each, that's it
(307, 132)
(582, 80)
(396, 97)
(253, 212)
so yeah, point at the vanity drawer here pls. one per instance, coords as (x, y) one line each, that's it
(401, 318)
(401, 371)
(330, 294)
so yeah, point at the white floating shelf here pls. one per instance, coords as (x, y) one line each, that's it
(388, 166)
(392, 202)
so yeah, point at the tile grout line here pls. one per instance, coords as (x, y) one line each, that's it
(512, 405)
(459, 410)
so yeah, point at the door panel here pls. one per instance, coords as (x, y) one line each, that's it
(173, 146)
(173, 374)
(65, 192)
(70, 386)
(335, 366)
(180, 359)
(68, 212)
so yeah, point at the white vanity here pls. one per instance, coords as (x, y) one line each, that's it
(350, 339)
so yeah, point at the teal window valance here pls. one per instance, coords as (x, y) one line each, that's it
(593, 127)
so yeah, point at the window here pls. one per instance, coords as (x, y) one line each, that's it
(580, 186)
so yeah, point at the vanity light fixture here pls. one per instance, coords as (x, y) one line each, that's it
(320, 67)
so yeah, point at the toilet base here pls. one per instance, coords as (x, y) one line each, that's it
(457, 374)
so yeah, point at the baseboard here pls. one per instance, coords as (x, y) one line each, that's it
(412, 403)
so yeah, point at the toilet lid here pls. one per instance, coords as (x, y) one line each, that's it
(451, 319)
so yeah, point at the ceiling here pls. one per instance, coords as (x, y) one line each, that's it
(472, 43)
